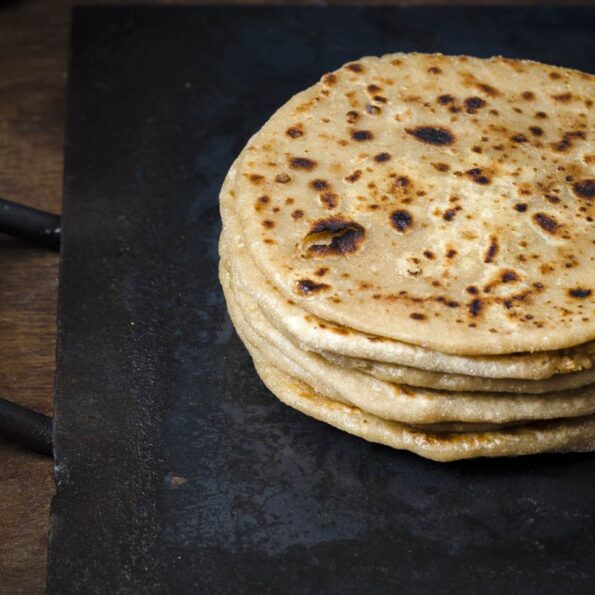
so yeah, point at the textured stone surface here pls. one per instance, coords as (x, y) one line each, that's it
(174, 463)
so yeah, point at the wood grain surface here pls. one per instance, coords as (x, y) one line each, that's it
(32, 82)
(33, 51)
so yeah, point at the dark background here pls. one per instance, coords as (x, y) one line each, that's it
(33, 49)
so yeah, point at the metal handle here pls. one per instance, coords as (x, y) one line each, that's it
(29, 224)
(29, 428)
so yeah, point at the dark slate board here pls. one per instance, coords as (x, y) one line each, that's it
(177, 471)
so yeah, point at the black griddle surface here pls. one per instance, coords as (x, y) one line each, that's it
(177, 471)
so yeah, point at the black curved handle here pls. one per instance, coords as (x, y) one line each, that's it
(29, 428)
(29, 224)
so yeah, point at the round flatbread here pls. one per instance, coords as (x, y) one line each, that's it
(460, 382)
(445, 202)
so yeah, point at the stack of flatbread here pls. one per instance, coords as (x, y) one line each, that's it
(408, 253)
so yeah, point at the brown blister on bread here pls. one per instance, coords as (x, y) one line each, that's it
(333, 236)
(432, 135)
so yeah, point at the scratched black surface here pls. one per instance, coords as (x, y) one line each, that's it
(177, 471)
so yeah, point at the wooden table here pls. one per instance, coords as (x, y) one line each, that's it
(33, 51)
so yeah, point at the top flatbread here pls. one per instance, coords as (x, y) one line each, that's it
(444, 202)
